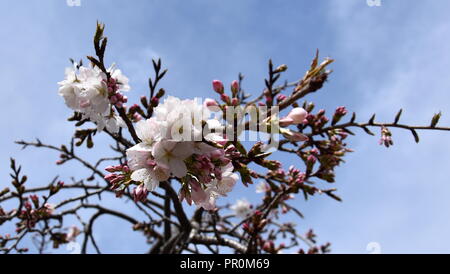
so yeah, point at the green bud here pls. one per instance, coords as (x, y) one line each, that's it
(160, 93)
(435, 119)
(281, 68)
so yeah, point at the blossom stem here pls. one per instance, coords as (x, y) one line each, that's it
(364, 125)
(129, 125)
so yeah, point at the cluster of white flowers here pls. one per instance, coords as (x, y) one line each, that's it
(242, 208)
(181, 140)
(87, 90)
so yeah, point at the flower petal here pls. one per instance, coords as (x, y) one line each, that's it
(177, 167)
(151, 184)
(183, 150)
(140, 175)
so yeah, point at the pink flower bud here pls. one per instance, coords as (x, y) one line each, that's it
(295, 136)
(286, 121)
(137, 117)
(34, 198)
(281, 97)
(49, 208)
(117, 179)
(140, 193)
(234, 101)
(118, 167)
(268, 246)
(154, 101)
(218, 86)
(235, 86)
(113, 99)
(210, 103)
(341, 111)
(110, 169)
(27, 205)
(297, 115)
(311, 159)
(110, 177)
(225, 98)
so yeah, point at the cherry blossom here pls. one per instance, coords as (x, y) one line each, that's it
(87, 90)
(242, 208)
(171, 145)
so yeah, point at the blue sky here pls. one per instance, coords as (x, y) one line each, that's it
(388, 57)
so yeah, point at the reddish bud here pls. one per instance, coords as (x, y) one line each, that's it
(218, 86)
(235, 87)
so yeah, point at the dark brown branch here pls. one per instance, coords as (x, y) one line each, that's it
(207, 240)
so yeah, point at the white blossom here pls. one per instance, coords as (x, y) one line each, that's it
(173, 154)
(144, 170)
(172, 146)
(85, 90)
(149, 131)
(226, 184)
(242, 208)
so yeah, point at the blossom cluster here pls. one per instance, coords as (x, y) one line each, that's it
(32, 212)
(93, 93)
(181, 140)
(386, 137)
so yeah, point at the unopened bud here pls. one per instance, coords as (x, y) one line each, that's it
(235, 87)
(218, 86)
(160, 93)
(210, 103)
(225, 98)
(281, 97)
(144, 101)
(435, 119)
(281, 68)
(154, 101)
(311, 159)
